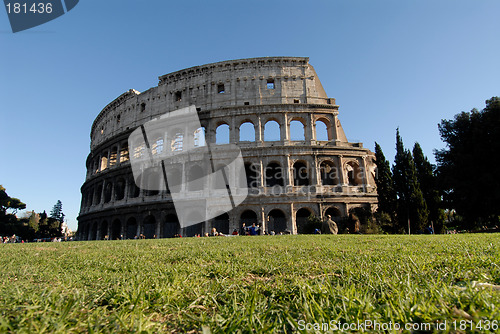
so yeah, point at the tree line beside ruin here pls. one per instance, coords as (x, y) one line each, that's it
(32, 225)
(461, 191)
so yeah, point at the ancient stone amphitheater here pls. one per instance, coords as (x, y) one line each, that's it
(297, 159)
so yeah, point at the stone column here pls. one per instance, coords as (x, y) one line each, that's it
(365, 176)
(289, 177)
(308, 129)
(232, 131)
(315, 171)
(285, 129)
(342, 176)
(259, 132)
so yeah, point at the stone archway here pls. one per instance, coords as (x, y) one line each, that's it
(301, 220)
(276, 221)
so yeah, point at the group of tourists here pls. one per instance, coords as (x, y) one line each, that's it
(9, 240)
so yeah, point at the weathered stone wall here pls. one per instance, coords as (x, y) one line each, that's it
(257, 90)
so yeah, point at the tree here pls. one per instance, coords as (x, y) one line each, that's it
(428, 184)
(385, 185)
(468, 166)
(9, 223)
(57, 213)
(410, 202)
(49, 227)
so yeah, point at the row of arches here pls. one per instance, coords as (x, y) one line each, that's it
(150, 227)
(272, 131)
(248, 130)
(273, 174)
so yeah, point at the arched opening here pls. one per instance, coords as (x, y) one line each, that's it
(220, 182)
(334, 213)
(252, 178)
(248, 217)
(119, 189)
(98, 194)
(199, 137)
(170, 226)
(297, 131)
(134, 189)
(195, 178)
(152, 180)
(272, 131)
(90, 200)
(274, 175)
(174, 178)
(221, 223)
(139, 150)
(107, 192)
(124, 153)
(112, 156)
(222, 134)
(157, 146)
(353, 174)
(104, 163)
(301, 219)
(104, 231)
(149, 227)
(247, 132)
(329, 173)
(276, 221)
(300, 174)
(131, 228)
(93, 232)
(322, 133)
(177, 142)
(116, 230)
(195, 224)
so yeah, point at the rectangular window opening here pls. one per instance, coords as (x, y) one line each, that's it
(296, 101)
(270, 83)
(247, 103)
(220, 89)
(178, 96)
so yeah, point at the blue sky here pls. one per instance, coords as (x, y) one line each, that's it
(389, 64)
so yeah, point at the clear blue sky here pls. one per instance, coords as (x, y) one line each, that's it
(389, 64)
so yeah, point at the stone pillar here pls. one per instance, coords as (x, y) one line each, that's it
(288, 175)
(342, 176)
(103, 190)
(308, 129)
(284, 129)
(232, 131)
(315, 181)
(364, 171)
(259, 132)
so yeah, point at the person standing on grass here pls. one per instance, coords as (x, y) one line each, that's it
(253, 229)
(329, 226)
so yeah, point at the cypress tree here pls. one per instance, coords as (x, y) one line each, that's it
(385, 186)
(429, 187)
(410, 201)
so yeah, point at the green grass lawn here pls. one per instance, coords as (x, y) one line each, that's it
(250, 284)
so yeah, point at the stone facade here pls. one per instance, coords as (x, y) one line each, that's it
(308, 168)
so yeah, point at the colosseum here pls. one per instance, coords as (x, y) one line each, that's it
(297, 159)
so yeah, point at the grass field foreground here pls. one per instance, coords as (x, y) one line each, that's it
(248, 284)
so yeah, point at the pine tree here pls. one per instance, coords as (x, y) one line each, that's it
(429, 187)
(385, 185)
(56, 212)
